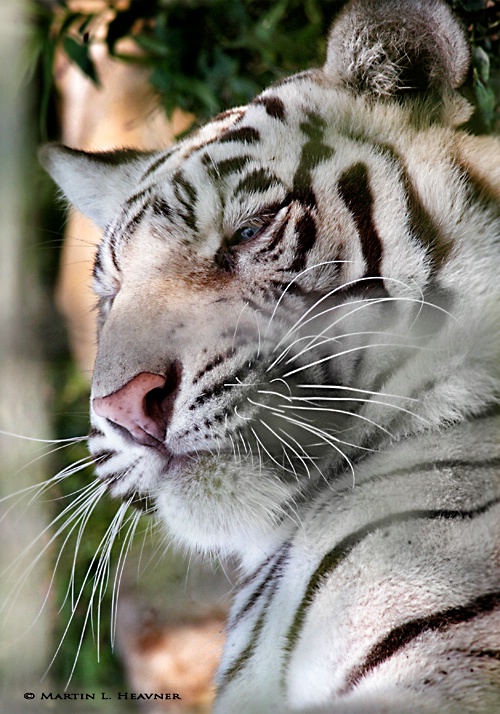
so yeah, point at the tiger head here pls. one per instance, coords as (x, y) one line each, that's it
(283, 290)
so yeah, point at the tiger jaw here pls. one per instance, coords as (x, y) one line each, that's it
(229, 499)
(154, 462)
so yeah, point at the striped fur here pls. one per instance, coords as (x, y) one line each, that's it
(316, 277)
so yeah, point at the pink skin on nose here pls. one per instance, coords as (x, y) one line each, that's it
(127, 407)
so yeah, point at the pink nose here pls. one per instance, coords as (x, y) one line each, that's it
(142, 407)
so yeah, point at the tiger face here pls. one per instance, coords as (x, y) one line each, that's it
(275, 290)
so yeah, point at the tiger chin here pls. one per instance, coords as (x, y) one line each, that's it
(299, 366)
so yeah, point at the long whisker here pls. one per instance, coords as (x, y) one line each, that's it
(113, 528)
(79, 504)
(82, 506)
(72, 440)
(314, 344)
(127, 544)
(38, 489)
(370, 301)
(355, 389)
(298, 277)
(314, 399)
(287, 446)
(259, 441)
(326, 438)
(350, 351)
(262, 406)
(341, 411)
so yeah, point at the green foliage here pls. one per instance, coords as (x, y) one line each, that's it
(482, 20)
(208, 55)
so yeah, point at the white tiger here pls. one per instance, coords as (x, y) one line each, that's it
(299, 365)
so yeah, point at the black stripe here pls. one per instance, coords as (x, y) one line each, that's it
(430, 466)
(101, 457)
(216, 361)
(133, 222)
(236, 113)
(314, 152)
(277, 237)
(401, 636)
(257, 181)
(274, 107)
(97, 266)
(111, 243)
(480, 654)
(305, 229)
(246, 134)
(259, 590)
(227, 166)
(354, 190)
(161, 208)
(453, 464)
(138, 196)
(423, 226)
(480, 190)
(186, 194)
(181, 183)
(343, 549)
(239, 663)
(251, 577)
(296, 78)
(156, 164)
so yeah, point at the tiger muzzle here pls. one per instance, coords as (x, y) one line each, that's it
(143, 406)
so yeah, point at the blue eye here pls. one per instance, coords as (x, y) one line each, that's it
(244, 234)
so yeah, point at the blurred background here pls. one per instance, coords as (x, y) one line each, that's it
(98, 74)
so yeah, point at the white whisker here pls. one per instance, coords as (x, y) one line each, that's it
(72, 440)
(127, 543)
(326, 438)
(355, 389)
(298, 277)
(349, 351)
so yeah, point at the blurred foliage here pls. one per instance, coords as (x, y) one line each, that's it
(208, 55)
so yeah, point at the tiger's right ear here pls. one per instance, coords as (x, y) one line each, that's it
(96, 183)
(400, 49)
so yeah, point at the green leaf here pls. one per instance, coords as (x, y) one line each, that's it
(485, 100)
(471, 5)
(482, 64)
(79, 54)
(124, 21)
(70, 18)
(152, 45)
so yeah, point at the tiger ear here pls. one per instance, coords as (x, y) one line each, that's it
(96, 183)
(397, 48)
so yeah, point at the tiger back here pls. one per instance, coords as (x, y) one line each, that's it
(299, 366)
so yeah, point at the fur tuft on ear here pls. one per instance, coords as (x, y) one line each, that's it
(96, 183)
(397, 48)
